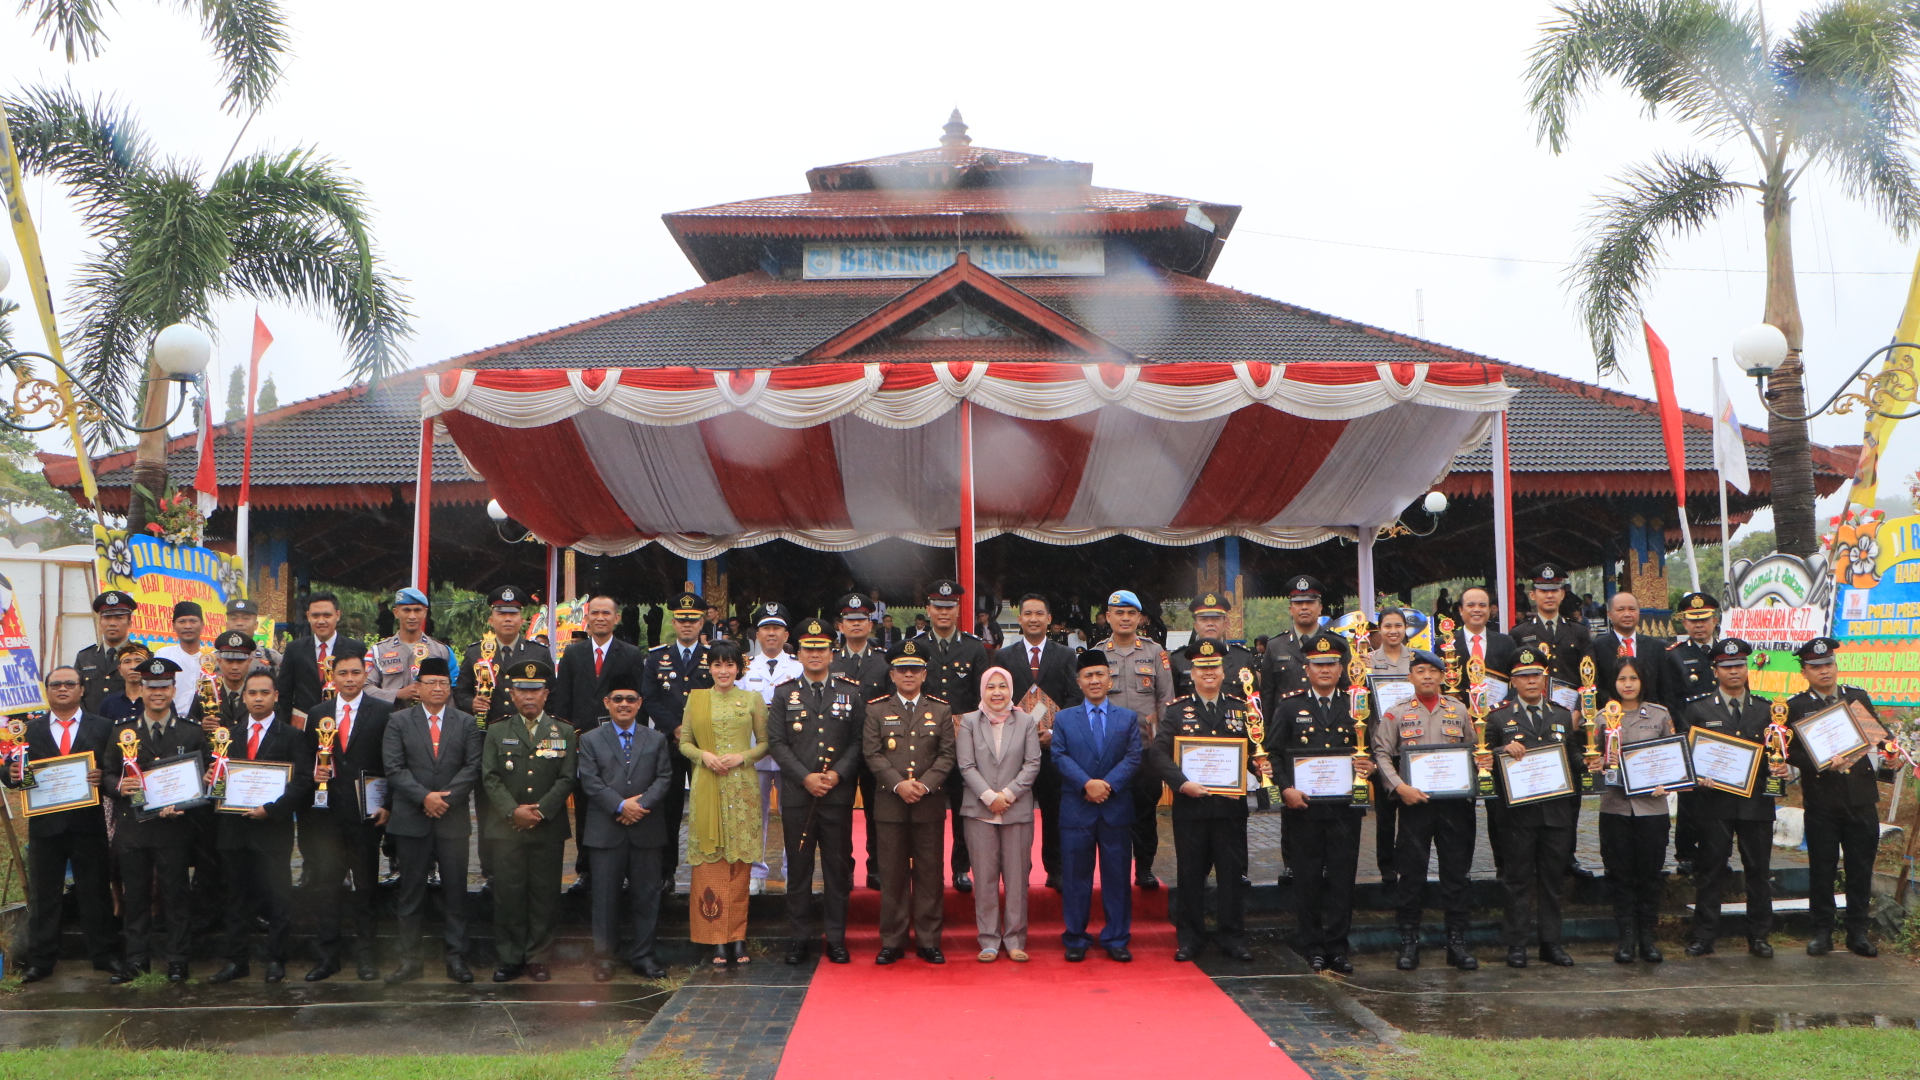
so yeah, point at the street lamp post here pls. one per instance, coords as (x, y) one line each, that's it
(1762, 348)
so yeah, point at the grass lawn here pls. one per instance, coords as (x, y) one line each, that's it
(1836, 1053)
(598, 1061)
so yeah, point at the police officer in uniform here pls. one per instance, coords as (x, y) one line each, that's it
(908, 741)
(671, 671)
(1283, 670)
(528, 768)
(1689, 679)
(1537, 836)
(1209, 831)
(1325, 835)
(233, 655)
(1842, 803)
(859, 657)
(1562, 637)
(814, 730)
(1142, 681)
(1430, 719)
(1210, 621)
(955, 662)
(511, 646)
(244, 615)
(99, 665)
(393, 665)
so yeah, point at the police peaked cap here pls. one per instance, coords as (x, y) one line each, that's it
(814, 635)
(1549, 576)
(1209, 604)
(908, 653)
(233, 645)
(689, 603)
(1305, 587)
(158, 671)
(1698, 605)
(856, 606)
(1732, 648)
(532, 674)
(1820, 650)
(945, 593)
(506, 596)
(114, 600)
(1530, 661)
(1208, 652)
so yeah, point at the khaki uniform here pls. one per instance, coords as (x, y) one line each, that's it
(1143, 682)
(1443, 823)
(1633, 832)
(527, 763)
(901, 741)
(393, 664)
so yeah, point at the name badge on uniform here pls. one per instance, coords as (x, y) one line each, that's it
(509, 742)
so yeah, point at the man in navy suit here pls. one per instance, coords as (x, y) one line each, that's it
(1096, 746)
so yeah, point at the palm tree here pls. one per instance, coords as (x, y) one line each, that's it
(1837, 91)
(249, 36)
(173, 240)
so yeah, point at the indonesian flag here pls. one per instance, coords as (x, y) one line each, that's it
(1671, 429)
(1729, 446)
(206, 481)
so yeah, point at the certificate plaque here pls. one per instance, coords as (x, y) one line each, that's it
(1326, 776)
(1539, 776)
(61, 784)
(373, 795)
(1830, 735)
(1441, 771)
(1495, 691)
(1655, 763)
(176, 782)
(1391, 691)
(1567, 697)
(1219, 765)
(252, 784)
(1731, 764)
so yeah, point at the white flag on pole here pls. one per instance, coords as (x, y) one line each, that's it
(1729, 445)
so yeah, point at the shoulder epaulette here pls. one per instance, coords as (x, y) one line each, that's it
(878, 700)
(1677, 644)
(938, 698)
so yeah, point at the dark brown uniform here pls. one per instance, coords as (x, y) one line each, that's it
(903, 740)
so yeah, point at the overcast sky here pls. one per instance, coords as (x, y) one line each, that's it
(519, 158)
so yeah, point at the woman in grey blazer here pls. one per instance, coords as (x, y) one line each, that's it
(1633, 831)
(998, 754)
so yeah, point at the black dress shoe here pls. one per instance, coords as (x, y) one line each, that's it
(1286, 873)
(1579, 871)
(1860, 945)
(1317, 963)
(931, 956)
(602, 971)
(177, 972)
(837, 953)
(1053, 882)
(797, 953)
(1684, 868)
(226, 974)
(276, 971)
(322, 970)
(580, 887)
(648, 968)
(1120, 954)
(408, 969)
(1759, 947)
(873, 883)
(1075, 955)
(34, 974)
(1699, 948)
(506, 972)
(1516, 956)
(889, 955)
(126, 973)
(963, 882)
(1147, 881)
(457, 969)
(1334, 963)
(366, 971)
(538, 972)
(1553, 954)
(1238, 952)
(1185, 954)
(1821, 943)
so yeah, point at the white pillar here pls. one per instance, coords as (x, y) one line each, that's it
(1367, 534)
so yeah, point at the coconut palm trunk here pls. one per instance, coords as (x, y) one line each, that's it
(1789, 450)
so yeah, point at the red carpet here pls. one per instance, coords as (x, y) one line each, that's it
(1045, 1018)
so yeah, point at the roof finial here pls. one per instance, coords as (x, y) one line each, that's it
(956, 131)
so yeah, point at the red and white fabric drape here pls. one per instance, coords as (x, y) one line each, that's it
(836, 456)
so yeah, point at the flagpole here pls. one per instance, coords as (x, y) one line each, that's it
(1726, 546)
(261, 339)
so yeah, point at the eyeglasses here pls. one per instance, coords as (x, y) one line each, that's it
(63, 684)
(624, 699)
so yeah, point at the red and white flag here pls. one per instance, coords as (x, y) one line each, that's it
(206, 480)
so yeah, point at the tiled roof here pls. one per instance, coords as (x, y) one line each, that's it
(958, 156)
(890, 202)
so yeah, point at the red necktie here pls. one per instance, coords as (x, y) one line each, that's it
(433, 730)
(346, 724)
(323, 654)
(1629, 646)
(599, 658)
(1479, 653)
(66, 737)
(1034, 664)
(253, 740)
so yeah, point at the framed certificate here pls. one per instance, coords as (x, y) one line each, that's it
(1731, 764)
(1830, 735)
(1567, 697)
(1495, 690)
(1539, 776)
(1442, 771)
(1391, 691)
(1219, 765)
(373, 795)
(177, 782)
(60, 783)
(1655, 763)
(252, 784)
(1324, 776)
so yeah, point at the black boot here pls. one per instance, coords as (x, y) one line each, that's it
(1409, 947)
(1457, 954)
(1649, 946)
(1623, 951)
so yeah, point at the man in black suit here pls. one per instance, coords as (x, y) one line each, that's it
(1563, 636)
(863, 658)
(153, 845)
(625, 768)
(340, 838)
(432, 755)
(1475, 637)
(814, 730)
(955, 662)
(673, 670)
(1037, 661)
(1623, 640)
(585, 673)
(1538, 835)
(303, 670)
(77, 837)
(257, 846)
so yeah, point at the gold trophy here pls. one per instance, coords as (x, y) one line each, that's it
(1477, 708)
(483, 676)
(130, 764)
(325, 756)
(1610, 756)
(1358, 708)
(221, 740)
(15, 741)
(1256, 727)
(1450, 653)
(1777, 738)
(1590, 712)
(209, 700)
